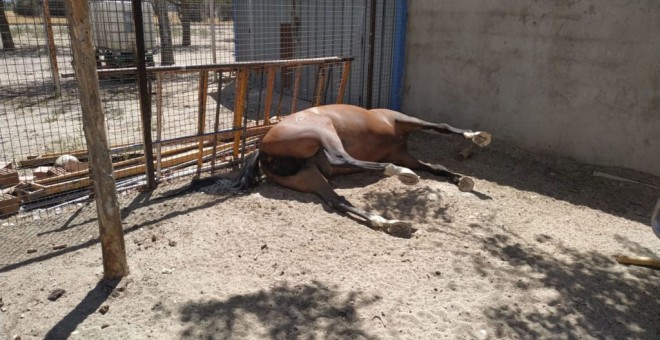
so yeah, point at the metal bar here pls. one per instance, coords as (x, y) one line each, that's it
(145, 96)
(220, 136)
(320, 83)
(239, 106)
(270, 87)
(216, 124)
(159, 121)
(52, 50)
(201, 114)
(296, 90)
(344, 80)
(372, 51)
(230, 66)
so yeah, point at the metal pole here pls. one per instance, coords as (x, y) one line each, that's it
(372, 51)
(145, 96)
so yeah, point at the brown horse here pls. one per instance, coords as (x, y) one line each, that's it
(304, 149)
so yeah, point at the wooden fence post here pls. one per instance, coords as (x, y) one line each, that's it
(107, 206)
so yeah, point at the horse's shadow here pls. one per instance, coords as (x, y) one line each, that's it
(416, 203)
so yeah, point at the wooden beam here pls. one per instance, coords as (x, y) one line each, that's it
(113, 247)
(239, 106)
(145, 92)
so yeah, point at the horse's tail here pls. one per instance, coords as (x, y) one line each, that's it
(250, 174)
(248, 178)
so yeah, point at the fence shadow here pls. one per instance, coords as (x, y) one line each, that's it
(283, 312)
(553, 176)
(593, 296)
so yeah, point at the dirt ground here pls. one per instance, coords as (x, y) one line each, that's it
(528, 255)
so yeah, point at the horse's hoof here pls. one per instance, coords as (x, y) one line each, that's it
(480, 138)
(398, 228)
(408, 178)
(405, 175)
(465, 184)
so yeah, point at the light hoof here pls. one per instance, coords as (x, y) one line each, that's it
(405, 175)
(408, 178)
(465, 184)
(480, 138)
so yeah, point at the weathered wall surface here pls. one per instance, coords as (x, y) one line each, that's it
(577, 78)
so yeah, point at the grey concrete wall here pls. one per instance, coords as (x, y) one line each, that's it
(576, 78)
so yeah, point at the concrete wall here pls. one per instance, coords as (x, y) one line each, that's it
(577, 78)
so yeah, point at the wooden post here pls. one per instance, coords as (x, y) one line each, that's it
(52, 50)
(145, 94)
(344, 81)
(201, 122)
(107, 206)
(239, 106)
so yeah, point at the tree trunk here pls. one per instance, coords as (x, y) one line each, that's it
(167, 52)
(185, 22)
(5, 32)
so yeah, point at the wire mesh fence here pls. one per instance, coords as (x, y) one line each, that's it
(195, 51)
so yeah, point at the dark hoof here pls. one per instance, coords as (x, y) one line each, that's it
(465, 184)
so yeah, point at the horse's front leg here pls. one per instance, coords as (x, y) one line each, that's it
(403, 158)
(310, 179)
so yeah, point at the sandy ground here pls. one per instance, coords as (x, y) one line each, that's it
(528, 255)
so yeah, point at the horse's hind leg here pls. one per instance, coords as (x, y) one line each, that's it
(403, 158)
(480, 138)
(338, 157)
(310, 179)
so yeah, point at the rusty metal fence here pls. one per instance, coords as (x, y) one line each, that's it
(218, 73)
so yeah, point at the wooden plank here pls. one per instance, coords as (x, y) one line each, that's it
(344, 80)
(270, 88)
(239, 106)
(84, 64)
(80, 183)
(202, 95)
(49, 158)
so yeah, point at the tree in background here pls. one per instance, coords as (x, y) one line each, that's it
(165, 32)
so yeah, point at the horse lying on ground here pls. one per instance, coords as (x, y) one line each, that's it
(305, 148)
